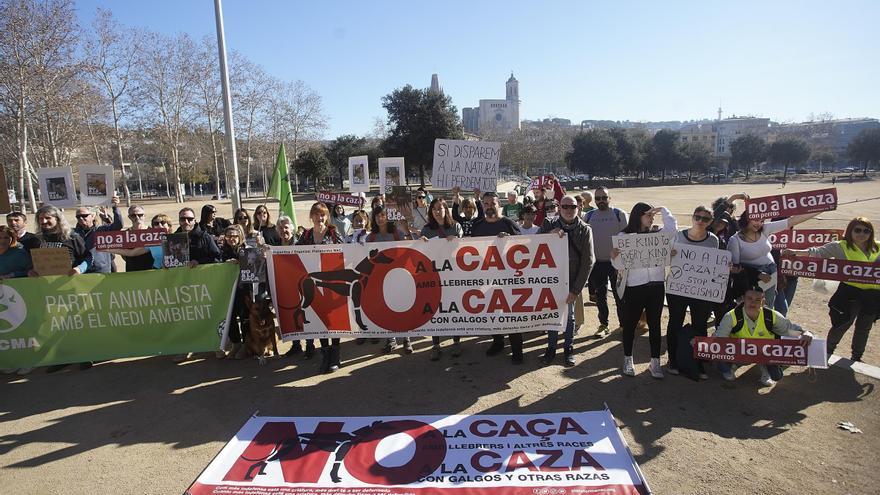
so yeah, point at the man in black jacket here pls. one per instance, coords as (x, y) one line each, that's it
(202, 248)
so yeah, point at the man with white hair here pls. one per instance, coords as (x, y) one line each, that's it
(87, 227)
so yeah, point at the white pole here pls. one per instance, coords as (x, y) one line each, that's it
(227, 109)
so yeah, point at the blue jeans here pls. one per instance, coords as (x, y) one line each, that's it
(553, 337)
(783, 300)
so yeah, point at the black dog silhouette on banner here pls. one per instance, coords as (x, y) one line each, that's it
(349, 283)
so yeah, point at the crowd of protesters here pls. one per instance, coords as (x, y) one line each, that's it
(757, 301)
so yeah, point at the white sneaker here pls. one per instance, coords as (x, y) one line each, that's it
(655, 369)
(628, 368)
(765, 378)
(601, 331)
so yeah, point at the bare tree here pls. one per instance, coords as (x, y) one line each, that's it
(297, 117)
(251, 87)
(210, 98)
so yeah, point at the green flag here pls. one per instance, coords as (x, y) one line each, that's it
(280, 186)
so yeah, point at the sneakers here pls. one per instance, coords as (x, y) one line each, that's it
(569, 360)
(628, 368)
(407, 347)
(456, 349)
(436, 353)
(601, 331)
(704, 375)
(765, 378)
(390, 345)
(517, 359)
(655, 368)
(178, 358)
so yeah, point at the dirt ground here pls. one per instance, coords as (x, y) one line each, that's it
(149, 426)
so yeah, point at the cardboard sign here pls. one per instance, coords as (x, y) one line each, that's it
(344, 199)
(466, 164)
(175, 250)
(831, 269)
(784, 351)
(576, 453)
(359, 173)
(51, 260)
(128, 239)
(253, 266)
(96, 185)
(699, 272)
(391, 173)
(786, 205)
(644, 250)
(805, 238)
(398, 204)
(56, 186)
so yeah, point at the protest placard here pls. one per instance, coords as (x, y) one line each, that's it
(98, 316)
(540, 182)
(175, 250)
(128, 239)
(804, 238)
(398, 204)
(831, 269)
(472, 286)
(783, 351)
(391, 173)
(253, 266)
(466, 164)
(56, 186)
(500, 454)
(359, 173)
(51, 260)
(644, 250)
(344, 199)
(699, 272)
(96, 185)
(786, 205)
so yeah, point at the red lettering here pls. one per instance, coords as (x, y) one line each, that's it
(464, 264)
(493, 259)
(475, 428)
(429, 454)
(543, 257)
(497, 302)
(569, 424)
(512, 427)
(477, 457)
(513, 261)
(523, 295)
(545, 300)
(533, 424)
(519, 459)
(467, 301)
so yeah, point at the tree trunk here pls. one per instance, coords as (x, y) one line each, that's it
(263, 168)
(50, 141)
(167, 185)
(25, 166)
(140, 181)
(865, 169)
(785, 173)
(94, 143)
(118, 138)
(748, 170)
(225, 169)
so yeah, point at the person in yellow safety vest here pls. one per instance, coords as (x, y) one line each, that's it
(853, 302)
(753, 320)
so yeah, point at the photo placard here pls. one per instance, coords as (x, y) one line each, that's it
(96, 185)
(56, 186)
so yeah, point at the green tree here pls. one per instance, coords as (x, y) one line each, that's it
(593, 153)
(746, 152)
(789, 151)
(630, 150)
(313, 164)
(416, 117)
(865, 148)
(338, 151)
(697, 158)
(824, 157)
(665, 152)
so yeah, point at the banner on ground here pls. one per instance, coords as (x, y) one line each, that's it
(804, 238)
(699, 272)
(831, 269)
(786, 205)
(344, 199)
(644, 250)
(558, 453)
(92, 317)
(784, 351)
(128, 239)
(474, 286)
(466, 164)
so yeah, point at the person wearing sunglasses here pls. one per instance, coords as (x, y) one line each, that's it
(605, 221)
(853, 302)
(421, 213)
(202, 247)
(87, 226)
(137, 259)
(211, 223)
(696, 235)
(580, 262)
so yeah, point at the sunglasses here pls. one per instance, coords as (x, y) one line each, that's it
(186, 219)
(860, 230)
(701, 218)
(601, 198)
(139, 215)
(161, 222)
(87, 215)
(421, 197)
(568, 207)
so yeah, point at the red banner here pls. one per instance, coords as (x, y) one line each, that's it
(831, 269)
(128, 239)
(789, 352)
(786, 205)
(803, 239)
(344, 199)
(540, 182)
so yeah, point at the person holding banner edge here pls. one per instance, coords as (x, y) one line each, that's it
(642, 289)
(580, 262)
(853, 302)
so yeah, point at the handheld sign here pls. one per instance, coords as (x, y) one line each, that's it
(343, 199)
(51, 261)
(359, 173)
(466, 164)
(805, 238)
(699, 272)
(56, 186)
(860, 272)
(96, 185)
(390, 173)
(398, 204)
(128, 239)
(644, 250)
(784, 351)
(540, 182)
(786, 205)
(253, 266)
(175, 250)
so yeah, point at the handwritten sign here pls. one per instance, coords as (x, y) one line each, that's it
(785, 351)
(831, 269)
(128, 239)
(786, 205)
(803, 239)
(51, 261)
(699, 272)
(644, 250)
(466, 164)
(344, 199)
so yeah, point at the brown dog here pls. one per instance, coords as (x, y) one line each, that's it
(262, 328)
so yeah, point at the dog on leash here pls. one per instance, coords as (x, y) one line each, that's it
(261, 334)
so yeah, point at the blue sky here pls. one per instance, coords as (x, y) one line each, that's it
(624, 60)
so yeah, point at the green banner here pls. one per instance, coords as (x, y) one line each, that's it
(72, 319)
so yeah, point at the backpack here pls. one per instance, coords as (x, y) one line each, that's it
(590, 214)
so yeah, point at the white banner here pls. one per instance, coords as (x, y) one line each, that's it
(644, 250)
(473, 286)
(699, 272)
(466, 164)
(554, 453)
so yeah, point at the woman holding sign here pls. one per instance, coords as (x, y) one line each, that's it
(441, 225)
(642, 289)
(853, 302)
